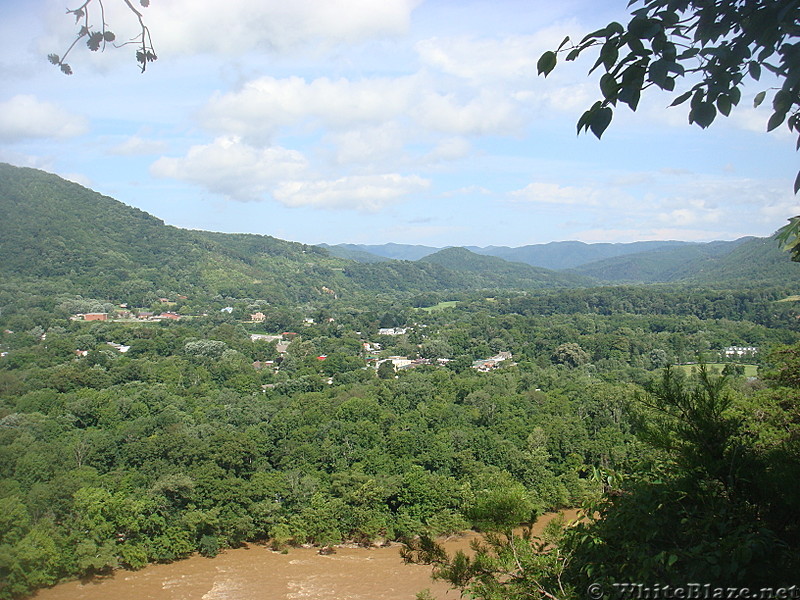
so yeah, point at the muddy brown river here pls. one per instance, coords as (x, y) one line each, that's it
(257, 573)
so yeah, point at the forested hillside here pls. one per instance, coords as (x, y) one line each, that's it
(747, 260)
(83, 242)
(743, 260)
(502, 273)
(90, 244)
(566, 255)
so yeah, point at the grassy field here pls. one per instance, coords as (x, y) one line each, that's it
(749, 370)
(441, 306)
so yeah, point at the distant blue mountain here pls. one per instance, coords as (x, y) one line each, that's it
(554, 255)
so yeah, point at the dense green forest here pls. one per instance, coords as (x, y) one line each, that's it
(165, 392)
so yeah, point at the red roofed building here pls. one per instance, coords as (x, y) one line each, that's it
(95, 317)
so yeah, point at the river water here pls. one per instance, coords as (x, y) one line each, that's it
(256, 573)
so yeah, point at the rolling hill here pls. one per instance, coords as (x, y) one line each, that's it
(746, 260)
(502, 271)
(553, 255)
(82, 242)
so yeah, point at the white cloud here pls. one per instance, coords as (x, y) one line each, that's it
(684, 217)
(266, 104)
(481, 60)
(363, 192)
(468, 191)
(485, 59)
(488, 113)
(451, 148)
(24, 116)
(239, 26)
(369, 144)
(232, 168)
(136, 145)
(552, 193)
(573, 98)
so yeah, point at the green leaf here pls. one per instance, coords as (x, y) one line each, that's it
(574, 53)
(754, 69)
(608, 86)
(735, 96)
(759, 99)
(600, 121)
(108, 36)
(658, 72)
(586, 117)
(797, 183)
(703, 114)
(724, 105)
(681, 99)
(776, 119)
(563, 43)
(609, 54)
(596, 34)
(630, 95)
(546, 63)
(782, 101)
(53, 58)
(583, 122)
(614, 28)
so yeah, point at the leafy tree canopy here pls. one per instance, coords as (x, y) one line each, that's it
(712, 46)
(716, 45)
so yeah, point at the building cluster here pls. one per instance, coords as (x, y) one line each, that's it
(490, 364)
(731, 351)
(126, 315)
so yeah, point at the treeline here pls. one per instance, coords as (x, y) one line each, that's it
(181, 444)
(97, 477)
(757, 304)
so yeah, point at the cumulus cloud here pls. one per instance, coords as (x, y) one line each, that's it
(136, 145)
(488, 113)
(484, 59)
(265, 104)
(369, 144)
(238, 26)
(451, 148)
(468, 191)
(233, 168)
(684, 217)
(361, 192)
(24, 116)
(552, 193)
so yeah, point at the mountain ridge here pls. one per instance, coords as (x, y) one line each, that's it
(89, 243)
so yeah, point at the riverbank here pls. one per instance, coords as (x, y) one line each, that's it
(254, 572)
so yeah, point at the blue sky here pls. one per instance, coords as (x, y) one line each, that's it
(373, 121)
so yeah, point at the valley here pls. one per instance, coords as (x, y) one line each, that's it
(168, 394)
